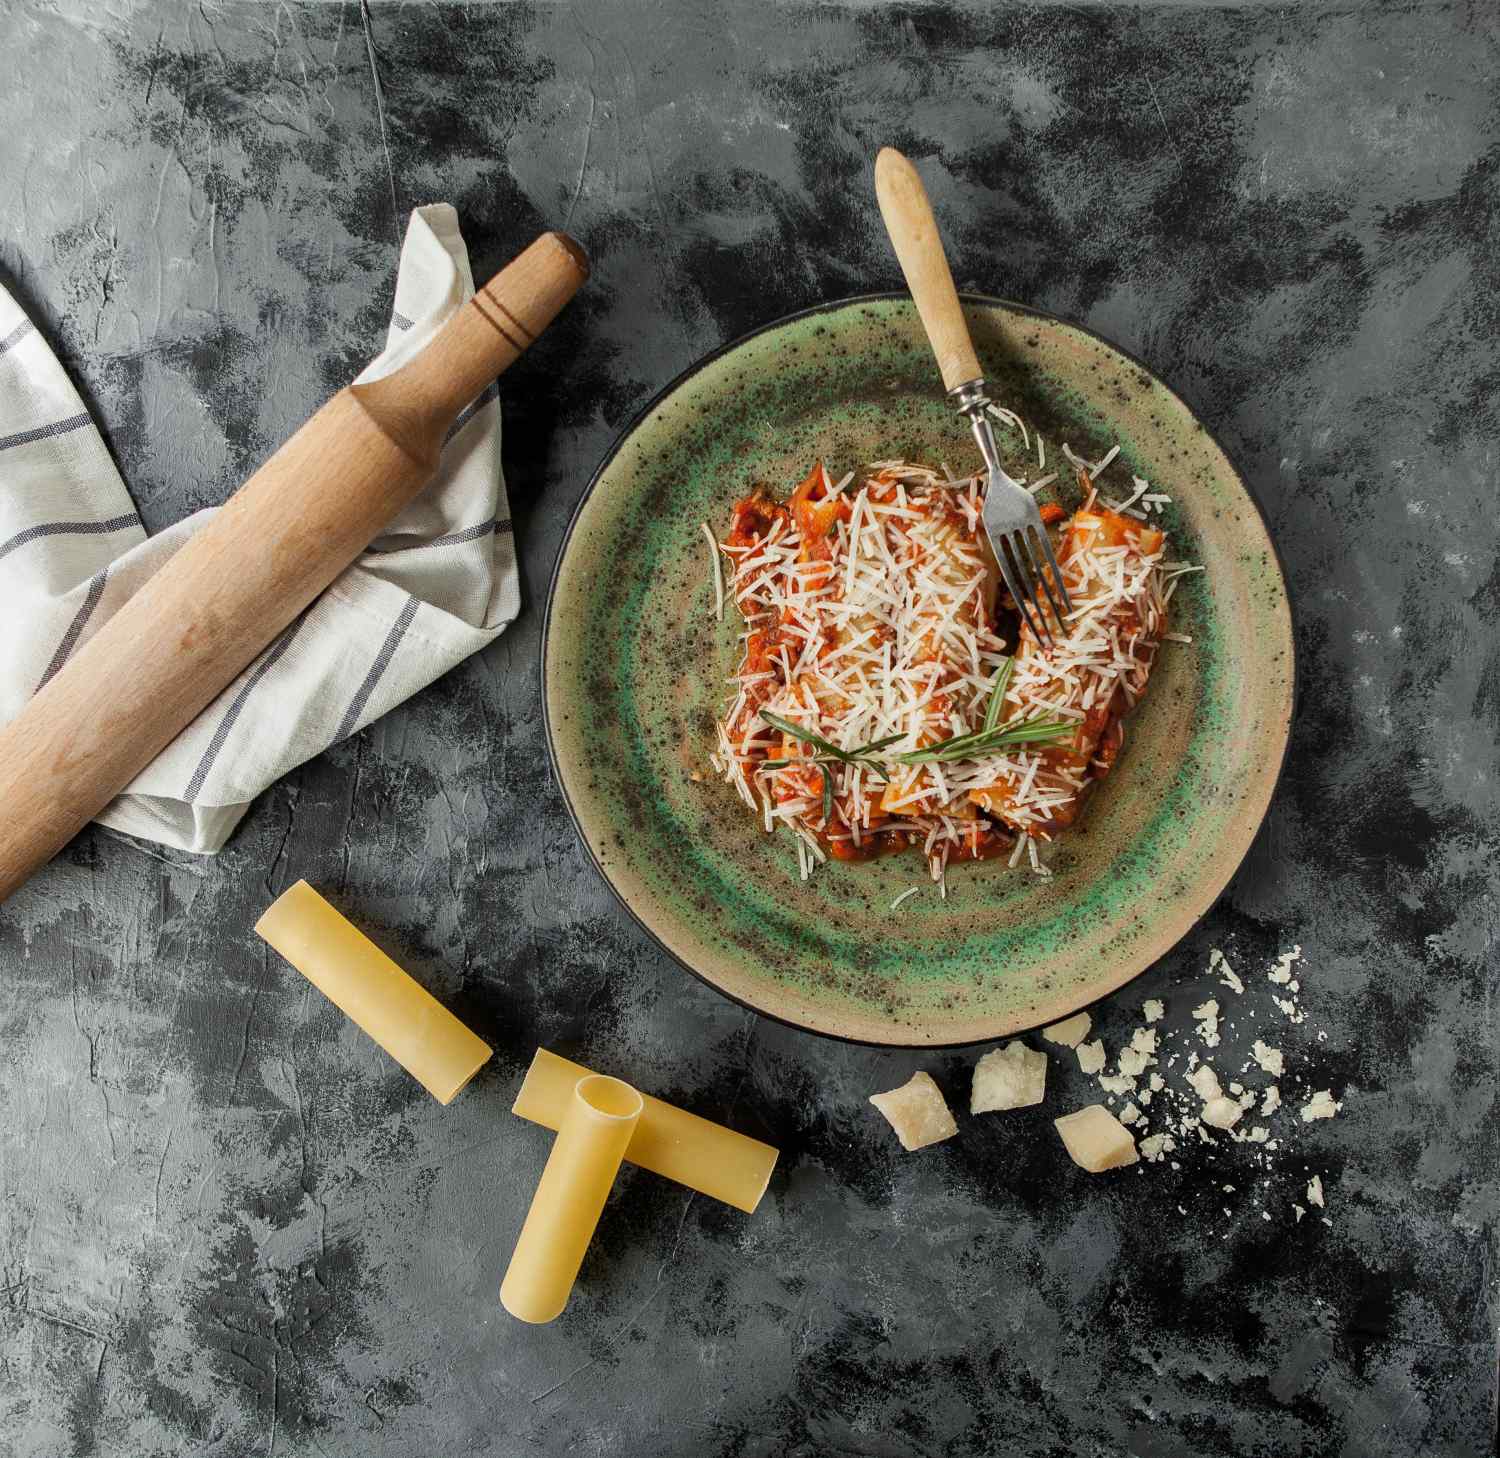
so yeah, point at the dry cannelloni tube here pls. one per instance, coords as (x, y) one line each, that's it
(667, 1140)
(369, 988)
(597, 1123)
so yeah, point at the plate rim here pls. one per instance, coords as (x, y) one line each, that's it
(966, 296)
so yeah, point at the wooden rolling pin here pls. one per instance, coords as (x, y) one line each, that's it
(272, 548)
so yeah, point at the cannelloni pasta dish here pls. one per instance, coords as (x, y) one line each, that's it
(890, 696)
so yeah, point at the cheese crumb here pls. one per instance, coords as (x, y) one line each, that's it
(1218, 963)
(1290, 1009)
(1322, 1105)
(1300, 1211)
(1129, 1114)
(1012, 1077)
(1269, 1058)
(917, 1112)
(1154, 1010)
(1070, 1032)
(1091, 1056)
(1272, 1100)
(1156, 1147)
(1282, 971)
(1096, 1140)
(1205, 1082)
(1315, 1192)
(1207, 1015)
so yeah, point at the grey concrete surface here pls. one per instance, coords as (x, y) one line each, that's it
(229, 1225)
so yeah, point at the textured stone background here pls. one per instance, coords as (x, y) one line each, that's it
(228, 1225)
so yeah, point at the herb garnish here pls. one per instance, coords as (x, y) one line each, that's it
(993, 736)
(997, 693)
(828, 754)
(1006, 736)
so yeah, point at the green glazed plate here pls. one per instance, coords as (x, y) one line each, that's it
(634, 665)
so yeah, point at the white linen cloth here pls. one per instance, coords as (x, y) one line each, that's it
(437, 586)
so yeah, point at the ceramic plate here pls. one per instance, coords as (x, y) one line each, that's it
(634, 665)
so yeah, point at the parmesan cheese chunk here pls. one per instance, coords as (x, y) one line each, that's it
(1222, 1113)
(1315, 1191)
(1269, 1058)
(1205, 1082)
(1130, 1114)
(1012, 1077)
(1154, 1009)
(1322, 1105)
(917, 1112)
(1272, 1100)
(1096, 1140)
(1091, 1056)
(1070, 1032)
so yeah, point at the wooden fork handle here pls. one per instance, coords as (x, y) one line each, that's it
(919, 249)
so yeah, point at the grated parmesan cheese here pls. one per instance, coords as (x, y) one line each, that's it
(718, 570)
(889, 635)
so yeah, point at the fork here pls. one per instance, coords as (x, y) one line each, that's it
(1012, 519)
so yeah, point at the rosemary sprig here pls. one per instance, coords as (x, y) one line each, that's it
(828, 755)
(1006, 736)
(827, 746)
(824, 768)
(962, 746)
(998, 686)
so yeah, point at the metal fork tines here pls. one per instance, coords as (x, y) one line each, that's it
(1013, 523)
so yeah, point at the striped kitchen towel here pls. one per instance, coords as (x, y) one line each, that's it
(439, 585)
